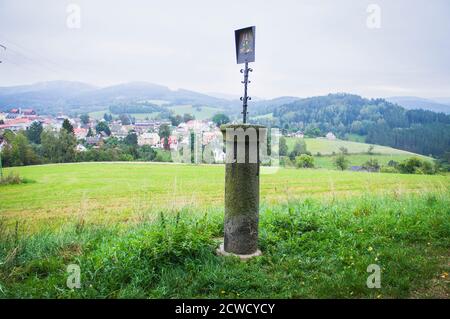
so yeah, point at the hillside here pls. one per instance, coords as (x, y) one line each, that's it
(380, 121)
(323, 151)
(327, 147)
(412, 102)
(75, 97)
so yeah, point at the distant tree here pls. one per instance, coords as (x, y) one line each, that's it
(313, 132)
(299, 149)
(304, 161)
(164, 132)
(125, 119)
(341, 162)
(283, 148)
(131, 139)
(220, 119)
(107, 117)
(103, 127)
(84, 118)
(34, 132)
(343, 150)
(21, 153)
(370, 149)
(392, 163)
(175, 119)
(58, 148)
(188, 117)
(66, 147)
(67, 126)
(146, 152)
(415, 165)
(90, 133)
(372, 165)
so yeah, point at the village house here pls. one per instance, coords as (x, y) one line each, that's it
(172, 141)
(148, 126)
(80, 148)
(118, 130)
(16, 124)
(197, 125)
(2, 143)
(208, 137)
(28, 112)
(80, 133)
(330, 136)
(97, 141)
(152, 139)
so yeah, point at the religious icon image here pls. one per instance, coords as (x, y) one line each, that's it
(245, 43)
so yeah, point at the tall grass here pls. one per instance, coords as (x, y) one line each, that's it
(311, 248)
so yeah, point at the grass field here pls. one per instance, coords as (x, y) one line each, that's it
(105, 192)
(205, 112)
(327, 147)
(147, 230)
(139, 116)
(357, 152)
(202, 113)
(312, 248)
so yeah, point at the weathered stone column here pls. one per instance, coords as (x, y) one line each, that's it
(242, 189)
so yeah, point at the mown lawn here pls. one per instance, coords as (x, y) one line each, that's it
(111, 192)
(317, 248)
(327, 147)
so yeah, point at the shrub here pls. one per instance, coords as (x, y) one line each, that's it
(341, 162)
(299, 148)
(285, 161)
(304, 161)
(13, 178)
(163, 156)
(372, 165)
(415, 165)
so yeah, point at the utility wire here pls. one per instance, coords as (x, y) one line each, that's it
(35, 58)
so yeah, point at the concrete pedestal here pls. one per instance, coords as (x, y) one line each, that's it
(242, 188)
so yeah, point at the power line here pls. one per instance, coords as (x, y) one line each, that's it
(35, 58)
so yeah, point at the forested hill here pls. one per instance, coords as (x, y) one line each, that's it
(382, 122)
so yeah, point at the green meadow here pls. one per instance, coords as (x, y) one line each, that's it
(200, 113)
(117, 191)
(147, 230)
(324, 150)
(328, 147)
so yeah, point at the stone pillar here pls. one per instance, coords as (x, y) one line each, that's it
(242, 189)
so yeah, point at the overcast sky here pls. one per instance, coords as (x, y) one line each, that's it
(303, 48)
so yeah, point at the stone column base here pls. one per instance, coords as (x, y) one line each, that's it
(221, 252)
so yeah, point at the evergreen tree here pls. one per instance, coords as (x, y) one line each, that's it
(283, 148)
(84, 118)
(67, 126)
(220, 119)
(34, 132)
(103, 127)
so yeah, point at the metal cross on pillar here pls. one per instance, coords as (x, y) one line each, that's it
(241, 216)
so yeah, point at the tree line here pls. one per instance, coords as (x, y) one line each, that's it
(41, 146)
